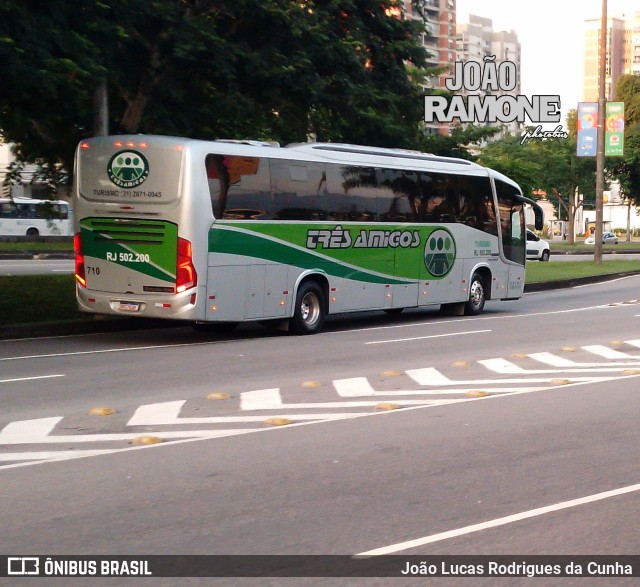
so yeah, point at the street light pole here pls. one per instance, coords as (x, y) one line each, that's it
(602, 104)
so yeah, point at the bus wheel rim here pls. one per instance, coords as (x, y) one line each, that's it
(477, 293)
(310, 308)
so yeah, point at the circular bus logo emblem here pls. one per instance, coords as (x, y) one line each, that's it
(128, 169)
(439, 253)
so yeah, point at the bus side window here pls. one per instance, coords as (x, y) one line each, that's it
(8, 210)
(299, 190)
(218, 180)
(360, 188)
(400, 196)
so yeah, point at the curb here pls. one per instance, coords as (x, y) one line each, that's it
(88, 326)
(568, 283)
(108, 324)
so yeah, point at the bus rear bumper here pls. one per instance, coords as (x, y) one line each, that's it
(182, 306)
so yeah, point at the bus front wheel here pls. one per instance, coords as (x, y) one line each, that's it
(477, 296)
(309, 311)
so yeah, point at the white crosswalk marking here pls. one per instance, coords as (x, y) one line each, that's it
(553, 360)
(30, 428)
(356, 396)
(606, 352)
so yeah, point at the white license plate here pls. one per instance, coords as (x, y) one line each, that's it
(128, 306)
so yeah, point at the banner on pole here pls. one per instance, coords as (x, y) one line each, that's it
(587, 129)
(614, 127)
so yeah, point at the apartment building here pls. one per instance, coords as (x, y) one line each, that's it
(439, 39)
(623, 53)
(477, 39)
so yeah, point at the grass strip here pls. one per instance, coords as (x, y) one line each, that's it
(41, 247)
(38, 298)
(537, 272)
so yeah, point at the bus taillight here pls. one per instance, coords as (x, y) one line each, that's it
(77, 249)
(186, 276)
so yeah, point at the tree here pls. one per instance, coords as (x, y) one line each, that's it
(515, 160)
(569, 178)
(626, 169)
(548, 165)
(282, 69)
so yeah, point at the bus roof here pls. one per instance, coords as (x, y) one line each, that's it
(313, 152)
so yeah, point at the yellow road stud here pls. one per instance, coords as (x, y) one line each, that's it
(477, 393)
(101, 411)
(277, 422)
(386, 406)
(219, 396)
(146, 440)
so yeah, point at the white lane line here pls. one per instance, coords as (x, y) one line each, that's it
(56, 455)
(168, 413)
(39, 432)
(30, 378)
(399, 546)
(270, 399)
(360, 387)
(507, 367)
(425, 337)
(98, 351)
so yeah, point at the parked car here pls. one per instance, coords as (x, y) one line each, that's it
(608, 238)
(537, 248)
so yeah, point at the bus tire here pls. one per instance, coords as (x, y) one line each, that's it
(309, 310)
(33, 232)
(477, 296)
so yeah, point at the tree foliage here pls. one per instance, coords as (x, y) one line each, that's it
(550, 166)
(277, 69)
(626, 169)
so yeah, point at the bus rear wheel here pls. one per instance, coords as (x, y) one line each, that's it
(309, 311)
(33, 232)
(477, 296)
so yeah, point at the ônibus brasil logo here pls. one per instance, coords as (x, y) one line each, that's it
(439, 253)
(128, 169)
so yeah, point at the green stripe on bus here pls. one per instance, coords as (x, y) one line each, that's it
(105, 238)
(237, 240)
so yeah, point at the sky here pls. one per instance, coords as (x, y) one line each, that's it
(551, 34)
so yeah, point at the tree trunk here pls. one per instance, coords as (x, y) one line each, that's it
(100, 109)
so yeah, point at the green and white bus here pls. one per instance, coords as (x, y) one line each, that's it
(233, 231)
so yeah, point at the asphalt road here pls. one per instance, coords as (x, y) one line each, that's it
(532, 405)
(35, 266)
